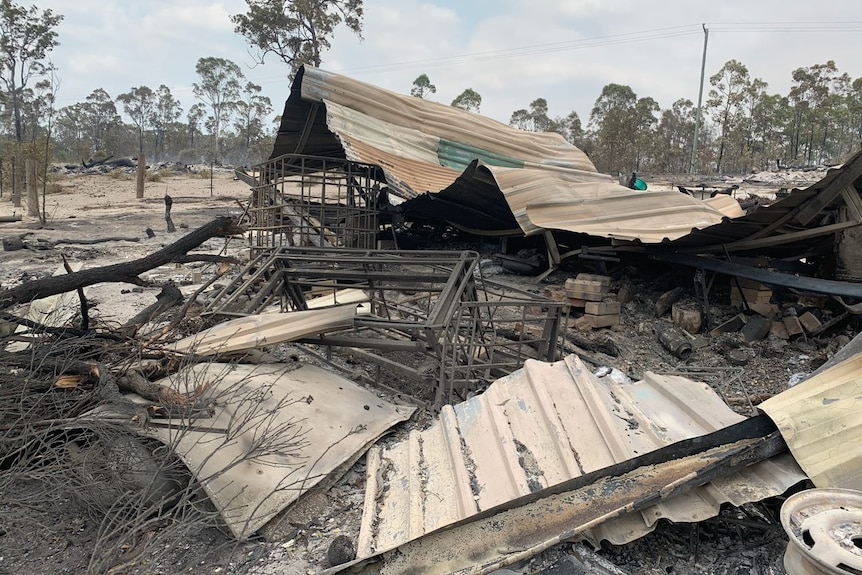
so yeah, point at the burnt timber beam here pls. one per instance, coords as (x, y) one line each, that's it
(849, 174)
(122, 272)
(780, 239)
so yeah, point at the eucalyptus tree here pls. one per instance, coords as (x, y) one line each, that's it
(572, 129)
(422, 86)
(854, 110)
(833, 120)
(296, 31)
(535, 118)
(469, 100)
(218, 88)
(729, 88)
(251, 109)
(27, 37)
(610, 127)
(166, 113)
(194, 121)
(674, 135)
(809, 92)
(71, 130)
(643, 127)
(101, 120)
(139, 104)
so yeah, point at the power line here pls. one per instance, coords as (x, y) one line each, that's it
(653, 34)
(616, 39)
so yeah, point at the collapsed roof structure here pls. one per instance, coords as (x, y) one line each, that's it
(474, 172)
(551, 451)
(487, 178)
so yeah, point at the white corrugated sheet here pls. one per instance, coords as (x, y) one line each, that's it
(53, 311)
(540, 426)
(821, 421)
(277, 431)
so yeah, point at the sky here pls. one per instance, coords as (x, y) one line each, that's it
(509, 51)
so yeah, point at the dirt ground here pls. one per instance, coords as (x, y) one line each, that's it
(747, 540)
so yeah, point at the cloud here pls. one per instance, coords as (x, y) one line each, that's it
(510, 51)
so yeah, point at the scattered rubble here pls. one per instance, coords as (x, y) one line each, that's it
(376, 385)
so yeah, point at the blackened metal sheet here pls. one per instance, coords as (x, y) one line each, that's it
(541, 426)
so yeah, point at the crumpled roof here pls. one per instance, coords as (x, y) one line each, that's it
(429, 151)
(538, 427)
(755, 232)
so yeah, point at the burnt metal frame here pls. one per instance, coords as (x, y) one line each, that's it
(314, 201)
(461, 330)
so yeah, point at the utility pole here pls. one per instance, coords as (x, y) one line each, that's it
(692, 166)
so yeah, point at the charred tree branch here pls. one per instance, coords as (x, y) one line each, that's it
(122, 272)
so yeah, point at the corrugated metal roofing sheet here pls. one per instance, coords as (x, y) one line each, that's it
(540, 426)
(476, 164)
(646, 216)
(821, 421)
(277, 431)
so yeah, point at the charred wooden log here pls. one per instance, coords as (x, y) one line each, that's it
(123, 272)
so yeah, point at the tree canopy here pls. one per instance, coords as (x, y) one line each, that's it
(139, 104)
(422, 86)
(746, 125)
(27, 36)
(469, 100)
(219, 88)
(297, 31)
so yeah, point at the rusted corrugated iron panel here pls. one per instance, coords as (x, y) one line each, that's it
(498, 144)
(821, 421)
(478, 165)
(406, 177)
(624, 215)
(541, 426)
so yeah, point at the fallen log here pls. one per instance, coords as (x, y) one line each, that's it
(123, 272)
(90, 242)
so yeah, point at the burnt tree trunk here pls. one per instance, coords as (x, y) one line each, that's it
(124, 272)
(168, 203)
